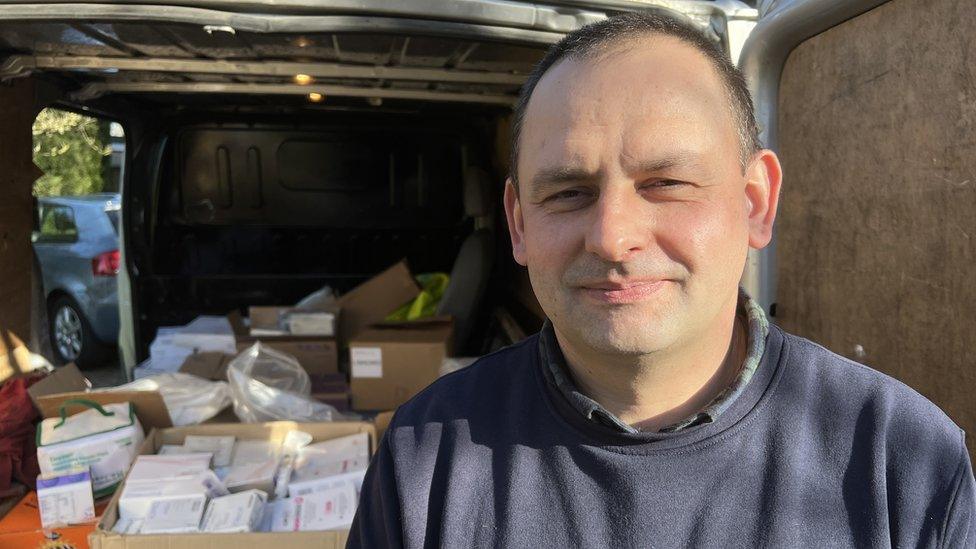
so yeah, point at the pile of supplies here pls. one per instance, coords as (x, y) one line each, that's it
(220, 484)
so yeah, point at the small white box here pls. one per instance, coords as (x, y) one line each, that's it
(248, 476)
(222, 447)
(172, 449)
(332, 457)
(66, 499)
(312, 323)
(353, 480)
(326, 510)
(241, 512)
(137, 497)
(172, 466)
(173, 516)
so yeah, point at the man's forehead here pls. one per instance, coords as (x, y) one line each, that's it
(651, 100)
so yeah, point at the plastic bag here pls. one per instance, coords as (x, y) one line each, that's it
(190, 399)
(319, 299)
(268, 385)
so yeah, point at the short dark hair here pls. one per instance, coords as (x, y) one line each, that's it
(592, 39)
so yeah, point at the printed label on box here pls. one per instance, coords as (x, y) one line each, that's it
(367, 361)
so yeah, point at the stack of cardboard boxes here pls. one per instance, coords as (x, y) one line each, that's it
(388, 362)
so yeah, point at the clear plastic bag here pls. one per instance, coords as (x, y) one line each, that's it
(190, 399)
(268, 385)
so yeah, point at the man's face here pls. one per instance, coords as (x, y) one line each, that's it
(633, 214)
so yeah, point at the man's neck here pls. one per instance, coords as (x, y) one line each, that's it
(658, 390)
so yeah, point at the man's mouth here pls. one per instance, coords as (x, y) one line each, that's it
(614, 292)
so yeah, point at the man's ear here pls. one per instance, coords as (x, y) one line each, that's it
(516, 228)
(763, 179)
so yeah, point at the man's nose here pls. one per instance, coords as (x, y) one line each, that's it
(618, 226)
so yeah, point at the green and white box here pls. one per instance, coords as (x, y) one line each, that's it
(102, 439)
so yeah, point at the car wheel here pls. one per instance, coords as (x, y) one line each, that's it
(71, 335)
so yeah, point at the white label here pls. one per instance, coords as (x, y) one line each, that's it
(367, 361)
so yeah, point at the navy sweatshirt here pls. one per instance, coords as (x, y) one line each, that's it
(817, 452)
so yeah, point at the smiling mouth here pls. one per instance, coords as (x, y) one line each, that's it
(621, 293)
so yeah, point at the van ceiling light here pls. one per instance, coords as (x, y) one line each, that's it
(210, 29)
(303, 79)
(315, 97)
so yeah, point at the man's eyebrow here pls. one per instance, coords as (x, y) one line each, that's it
(678, 159)
(556, 176)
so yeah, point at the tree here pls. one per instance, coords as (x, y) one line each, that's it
(70, 149)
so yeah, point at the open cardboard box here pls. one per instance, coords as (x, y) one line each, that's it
(371, 301)
(104, 538)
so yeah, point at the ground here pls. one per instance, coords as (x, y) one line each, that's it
(108, 374)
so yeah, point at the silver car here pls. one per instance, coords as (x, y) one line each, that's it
(77, 246)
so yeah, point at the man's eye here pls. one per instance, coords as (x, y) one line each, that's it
(568, 194)
(663, 183)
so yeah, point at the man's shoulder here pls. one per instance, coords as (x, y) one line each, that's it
(839, 387)
(486, 383)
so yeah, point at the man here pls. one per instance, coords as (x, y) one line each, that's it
(657, 407)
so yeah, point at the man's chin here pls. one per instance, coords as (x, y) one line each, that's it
(623, 334)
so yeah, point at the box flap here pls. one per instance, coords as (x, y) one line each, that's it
(237, 324)
(372, 300)
(149, 405)
(382, 423)
(430, 333)
(65, 379)
(208, 365)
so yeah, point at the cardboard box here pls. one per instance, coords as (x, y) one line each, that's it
(392, 362)
(317, 355)
(104, 538)
(331, 389)
(371, 301)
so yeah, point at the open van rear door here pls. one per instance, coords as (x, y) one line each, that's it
(871, 106)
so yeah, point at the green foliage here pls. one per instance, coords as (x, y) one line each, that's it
(69, 148)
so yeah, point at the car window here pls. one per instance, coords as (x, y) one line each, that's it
(58, 225)
(113, 216)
